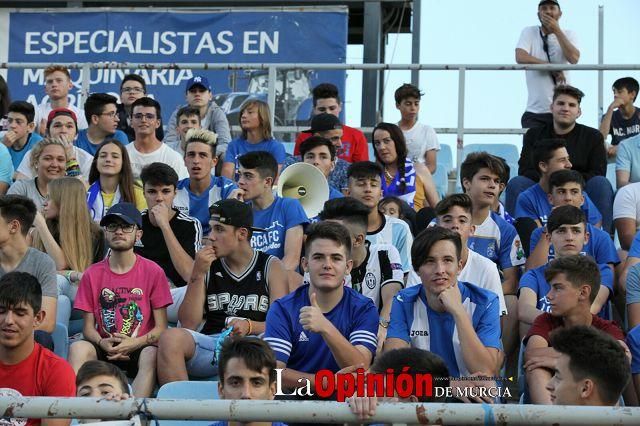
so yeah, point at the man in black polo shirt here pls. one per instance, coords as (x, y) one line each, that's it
(170, 238)
(586, 152)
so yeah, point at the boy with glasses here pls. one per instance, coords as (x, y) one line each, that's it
(101, 113)
(132, 88)
(146, 148)
(124, 300)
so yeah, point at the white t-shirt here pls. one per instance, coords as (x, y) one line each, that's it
(539, 83)
(164, 154)
(43, 110)
(479, 271)
(83, 157)
(627, 203)
(420, 139)
(484, 273)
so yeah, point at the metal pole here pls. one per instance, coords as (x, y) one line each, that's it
(372, 35)
(415, 39)
(86, 84)
(315, 411)
(271, 96)
(600, 61)
(460, 138)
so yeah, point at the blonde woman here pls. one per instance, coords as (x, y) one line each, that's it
(64, 230)
(48, 162)
(255, 121)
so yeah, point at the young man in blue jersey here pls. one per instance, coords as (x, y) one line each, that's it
(21, 136)
(494, 238)
(550, 156)
(320, 152)
(456, 320)
(323, 324)
(365, 186)
(567, 232)
(376, 271)
(201, 189)
(283, 218)
(101, 112)
(566, 188)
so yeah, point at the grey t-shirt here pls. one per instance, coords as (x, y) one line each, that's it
(41, 266)
(28, 188)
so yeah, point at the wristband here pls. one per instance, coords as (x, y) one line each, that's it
(383, 322)
(249, 321)
(67, 275)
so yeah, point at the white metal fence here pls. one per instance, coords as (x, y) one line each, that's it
(316, 412)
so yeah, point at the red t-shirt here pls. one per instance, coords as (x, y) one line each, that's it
(42, 373)
(545, 323)
(354, 145)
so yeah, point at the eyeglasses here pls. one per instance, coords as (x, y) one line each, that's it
(111, 114)
(126, 227)
(132, 90)
(140, 116)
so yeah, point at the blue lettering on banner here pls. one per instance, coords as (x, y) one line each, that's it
(140, 36)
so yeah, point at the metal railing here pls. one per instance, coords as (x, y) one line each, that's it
(273, 68)
(315, 411)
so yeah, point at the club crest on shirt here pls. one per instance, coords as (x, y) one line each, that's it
(370, 280)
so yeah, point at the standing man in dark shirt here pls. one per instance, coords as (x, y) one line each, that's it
(585, 146)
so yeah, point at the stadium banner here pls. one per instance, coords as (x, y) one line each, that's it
(278, 35)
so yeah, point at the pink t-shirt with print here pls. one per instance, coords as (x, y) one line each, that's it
(123, 303)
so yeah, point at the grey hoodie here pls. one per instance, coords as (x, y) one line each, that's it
(216, 121)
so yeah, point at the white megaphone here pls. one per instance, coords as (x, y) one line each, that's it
(306, 183)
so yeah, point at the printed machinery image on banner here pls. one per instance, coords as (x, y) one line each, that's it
(311, 35)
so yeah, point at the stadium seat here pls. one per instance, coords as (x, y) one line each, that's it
(372, 156)
(445, 165)
(188, 390)
(60, 338)
(289, 146)
(611, 175)
(445, 157)
(505, 150)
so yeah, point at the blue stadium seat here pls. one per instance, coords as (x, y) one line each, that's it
(60, 338)
(507, 151)
(188, 390)
(372, 156)
(611, 175)
(445, 157)
(445, 165)
(441, 179)
(288, 147)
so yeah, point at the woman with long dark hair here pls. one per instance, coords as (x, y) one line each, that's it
(409, 181)
(111, 180)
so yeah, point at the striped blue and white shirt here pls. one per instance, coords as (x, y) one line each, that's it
(413, 321)
(396, 232)
(355, 317)
(198, 205)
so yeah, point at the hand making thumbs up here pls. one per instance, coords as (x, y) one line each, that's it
(311, 317)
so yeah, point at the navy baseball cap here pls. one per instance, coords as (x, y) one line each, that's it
(198, 80)
(123, 211)
(549, 1)
(233, 212)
